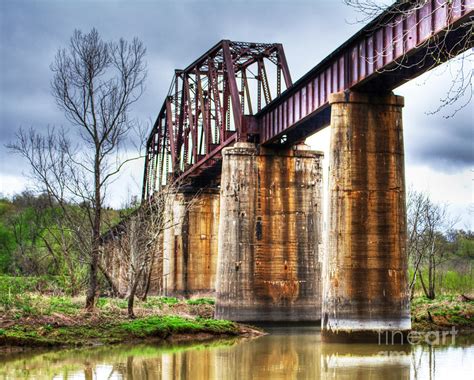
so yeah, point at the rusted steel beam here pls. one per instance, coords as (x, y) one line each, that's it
(213, 84)
(246, 91)
(284, 66)
(208, 156)
(234, 92)
(170, 132)
(190, 115)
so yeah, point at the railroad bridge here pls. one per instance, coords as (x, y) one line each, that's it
(231, 135)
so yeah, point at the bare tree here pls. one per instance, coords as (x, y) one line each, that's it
(137, 240)
(437, 49)
(95, 83)
(427, 221)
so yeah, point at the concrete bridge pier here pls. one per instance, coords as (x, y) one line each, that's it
(364, 270)
(269, 235)
(190, 244)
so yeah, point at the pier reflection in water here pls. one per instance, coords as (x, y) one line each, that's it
(284, 354)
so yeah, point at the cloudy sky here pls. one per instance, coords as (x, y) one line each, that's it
(439, 151)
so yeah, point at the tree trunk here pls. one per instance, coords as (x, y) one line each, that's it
(146, 287)
(131, 297)
(115, 290)
(74, 290)
(425, 290)
(147, 277)
(74, 285)
(91, 292)
(411, 287)
(431, 273)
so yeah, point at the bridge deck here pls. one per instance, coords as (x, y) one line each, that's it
(391, 50)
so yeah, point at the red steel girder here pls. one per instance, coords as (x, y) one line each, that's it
(406, 40)
(204, 109)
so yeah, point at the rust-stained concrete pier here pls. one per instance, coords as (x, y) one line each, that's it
(190, 244)
(269, 235)
(365, 280)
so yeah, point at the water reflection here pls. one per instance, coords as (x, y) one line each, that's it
(340, 361)
(284, 354)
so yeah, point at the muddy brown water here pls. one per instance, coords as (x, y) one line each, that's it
(286, 353)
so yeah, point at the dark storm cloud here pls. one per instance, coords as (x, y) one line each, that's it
(175, 33)
(444, 144)
(447, 145)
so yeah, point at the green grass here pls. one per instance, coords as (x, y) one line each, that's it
(443, 312)
(63, 305)
(149, 327)
(21, 302)
(61, 320)
(169, 300)
(166, 325)
(447, 282)
(455, 282)
(201, 301)
(159, 302)
(16, 292)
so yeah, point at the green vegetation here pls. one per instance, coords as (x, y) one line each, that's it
(110, 332)
(166, 325)
(61, 320)
(449, 281)
(201, 301)
(20, 297)
(452, 282)
(442, 313)
(34, 242)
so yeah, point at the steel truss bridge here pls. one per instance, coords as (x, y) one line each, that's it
(239, 91)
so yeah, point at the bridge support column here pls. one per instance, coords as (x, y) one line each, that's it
(190, 244)
(269, 235)
(364, 271)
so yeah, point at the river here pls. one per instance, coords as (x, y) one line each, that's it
(286, 353)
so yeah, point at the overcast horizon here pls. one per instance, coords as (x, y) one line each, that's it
(439, 152)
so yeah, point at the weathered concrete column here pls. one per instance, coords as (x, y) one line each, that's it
(190, 245)
(269, 235)
(364, 271)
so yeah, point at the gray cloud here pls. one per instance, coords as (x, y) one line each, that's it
(444, 148)
(444, 144)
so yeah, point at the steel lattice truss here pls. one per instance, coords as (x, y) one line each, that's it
(206, 109)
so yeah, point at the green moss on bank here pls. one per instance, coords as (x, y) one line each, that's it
(33, 319)
(155, 327)
(444, 312)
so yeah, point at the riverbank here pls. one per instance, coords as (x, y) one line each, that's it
(49, 321)
(442, 313)
(62, 322)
